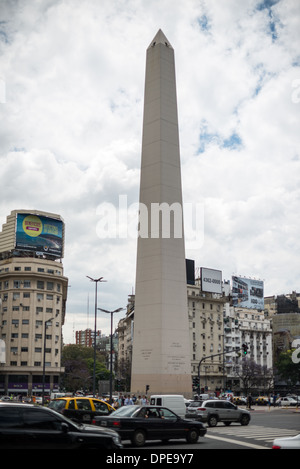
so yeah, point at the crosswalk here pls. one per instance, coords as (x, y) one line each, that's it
(254, 432)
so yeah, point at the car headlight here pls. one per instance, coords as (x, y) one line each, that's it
(117, 439)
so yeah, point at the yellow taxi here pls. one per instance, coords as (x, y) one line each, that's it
(261, 400)
(81, 409)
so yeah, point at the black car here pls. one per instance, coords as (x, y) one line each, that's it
(141, 423)
(26, 426)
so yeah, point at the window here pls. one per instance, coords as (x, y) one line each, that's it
(40, 420)
(83, 404)
(10, 418)
(100, 407)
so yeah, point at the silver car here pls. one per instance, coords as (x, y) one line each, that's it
(214, 411)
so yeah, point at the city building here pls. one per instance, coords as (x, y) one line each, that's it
(217, 332)
(250, 327)
(206, 337)
(86, 337)
(33, 294)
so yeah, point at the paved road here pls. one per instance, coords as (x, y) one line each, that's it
(265, 426)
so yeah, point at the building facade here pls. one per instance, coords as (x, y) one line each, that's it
(217, 332)
(86, 337)
(33, 294)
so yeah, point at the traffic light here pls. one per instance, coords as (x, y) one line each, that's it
(245, 349)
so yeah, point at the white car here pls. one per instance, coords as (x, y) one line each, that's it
(286, 401)
(287, 443)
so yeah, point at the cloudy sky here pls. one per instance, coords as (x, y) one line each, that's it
(71, 105)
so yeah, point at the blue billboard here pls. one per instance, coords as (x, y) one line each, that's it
(39, 233)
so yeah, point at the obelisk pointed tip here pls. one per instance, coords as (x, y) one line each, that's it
(160, 38)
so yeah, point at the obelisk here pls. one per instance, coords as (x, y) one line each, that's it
(161, 347)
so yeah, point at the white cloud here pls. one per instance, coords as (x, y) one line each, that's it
(71, 127)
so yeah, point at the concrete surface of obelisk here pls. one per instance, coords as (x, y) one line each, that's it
(161, 348)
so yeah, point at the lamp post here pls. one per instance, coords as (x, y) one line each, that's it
(111, 346)
(100, 279)
(44, 360)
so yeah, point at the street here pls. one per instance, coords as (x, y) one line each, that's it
(265, 426)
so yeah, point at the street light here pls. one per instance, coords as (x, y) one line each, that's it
(111, 346)
(44, 360)
(100, 279)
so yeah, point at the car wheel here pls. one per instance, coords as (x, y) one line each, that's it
(192, 436)
(139, 438)
(245, 419)
(212, 421)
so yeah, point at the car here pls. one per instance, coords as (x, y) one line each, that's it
(28, 426)
(262, 400)
(5, 398)
(214, 411)
(286, 401)
(239, 400)
(142, 423)
(81, 409)
(292, 442)
(191, 411)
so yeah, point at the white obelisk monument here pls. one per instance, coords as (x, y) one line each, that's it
(161, 347)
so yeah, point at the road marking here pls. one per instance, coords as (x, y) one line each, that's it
(236, 442)
(254, 432)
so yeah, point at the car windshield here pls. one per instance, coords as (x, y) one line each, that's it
(57, 405)
(125, 411)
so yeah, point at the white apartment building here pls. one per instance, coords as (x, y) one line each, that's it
(33, 293)
(250, 327)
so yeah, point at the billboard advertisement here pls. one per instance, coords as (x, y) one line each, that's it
(247, 293)
(39, 234)
(211, 280)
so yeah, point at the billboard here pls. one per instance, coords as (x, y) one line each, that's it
(211, 280)
(39, 233)
(247, 293)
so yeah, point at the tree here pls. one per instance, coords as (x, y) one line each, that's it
(253, 376)
(287, 369)
(78, 362)
(247, 374)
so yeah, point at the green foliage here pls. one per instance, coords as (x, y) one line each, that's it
(287, 369)
(78, 362)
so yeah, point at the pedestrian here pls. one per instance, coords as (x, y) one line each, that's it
(138, 401)
(121, 400)
(249, 401)
(128, 400)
